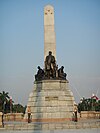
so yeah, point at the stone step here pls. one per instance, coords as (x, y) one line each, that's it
(52, 126)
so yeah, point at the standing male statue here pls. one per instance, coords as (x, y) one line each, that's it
(50, 66)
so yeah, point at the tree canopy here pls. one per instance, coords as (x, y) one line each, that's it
(89, 104)
(7, 104)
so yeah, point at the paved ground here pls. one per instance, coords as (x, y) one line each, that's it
(57, 131)
(88, 130)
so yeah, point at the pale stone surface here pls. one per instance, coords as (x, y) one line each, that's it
(90, 114)
(13, 116)
(51, 99)
(49, 32)
(1, 118)
(41, 126)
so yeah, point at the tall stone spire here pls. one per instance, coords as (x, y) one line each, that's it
(49, 32)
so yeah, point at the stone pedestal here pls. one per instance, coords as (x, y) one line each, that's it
(51, 101)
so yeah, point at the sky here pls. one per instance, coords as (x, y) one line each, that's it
(77, 27)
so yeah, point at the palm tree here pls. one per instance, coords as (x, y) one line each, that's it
(4, 98)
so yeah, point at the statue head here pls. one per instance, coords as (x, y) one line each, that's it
(38, 67)
(62, 67)
(50, 53)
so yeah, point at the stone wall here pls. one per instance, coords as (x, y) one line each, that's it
(1, 119)
(13, 117)
(90, 114)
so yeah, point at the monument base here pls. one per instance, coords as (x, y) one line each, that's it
(50, 101)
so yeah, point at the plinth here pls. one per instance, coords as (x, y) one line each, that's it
(50, 101)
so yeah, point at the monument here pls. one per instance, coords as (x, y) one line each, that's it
(51, 99)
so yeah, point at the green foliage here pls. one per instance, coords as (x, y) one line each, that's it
(4, 100)
(90, 104)
(7, 105)
(18, 108)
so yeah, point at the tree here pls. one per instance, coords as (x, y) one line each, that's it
(7, 104)
(18, 108)
(4, 98)
(89, 104)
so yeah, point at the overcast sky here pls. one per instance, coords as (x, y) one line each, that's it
(77, 27)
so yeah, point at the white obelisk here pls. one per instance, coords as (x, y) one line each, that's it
(49, 32)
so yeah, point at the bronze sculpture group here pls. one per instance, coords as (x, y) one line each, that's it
(51, 70)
